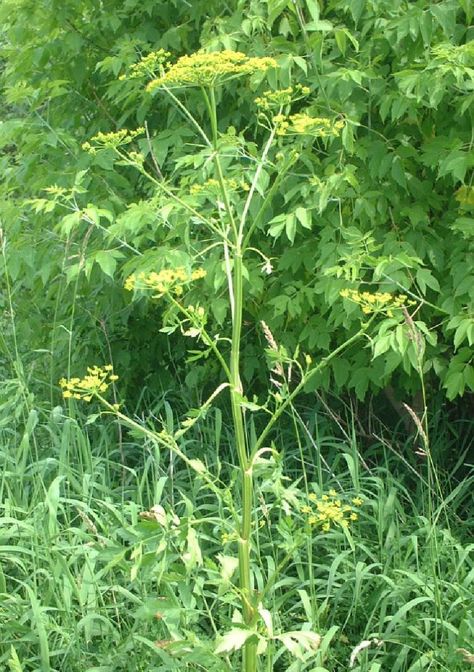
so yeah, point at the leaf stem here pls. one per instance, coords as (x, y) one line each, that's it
(305, 379)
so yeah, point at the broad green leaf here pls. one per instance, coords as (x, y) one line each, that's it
(313, 8)
(290, 227)
(304, 217)
(233, 640)
(275, 8)
(319, 26)
(107, 262)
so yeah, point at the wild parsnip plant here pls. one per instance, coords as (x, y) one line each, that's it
(220, 208)
(121, 517)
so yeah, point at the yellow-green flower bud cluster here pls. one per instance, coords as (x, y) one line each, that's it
(167, 281)
(305, 124)
(213, 187)
(377, 302)
(196, 321)
(111, 140)
(281, 124)
(317, 126)
(96, 381)
(329, 510)
(196, 310)
(148, 65)
(272, 99)
(210, 69)
(228, 537)
(137, 157)
(465, 195)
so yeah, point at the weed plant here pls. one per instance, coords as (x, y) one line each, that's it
(237, 543)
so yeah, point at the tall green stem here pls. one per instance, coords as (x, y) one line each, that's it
(249, 660)
(250, 657)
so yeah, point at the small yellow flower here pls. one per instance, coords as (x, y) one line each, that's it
(148, 65)
(376, 302)
(357, 501)
(96, 380)
(316, 126)
(167, 281)
(330, 510)
(112, 140)
(130, 282)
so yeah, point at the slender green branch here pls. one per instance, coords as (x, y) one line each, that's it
(173, 196)
(306, 378)
(208, 338)
(184, 110)
(268, 198)
(211, 106)
(165, 440)
(253, 186)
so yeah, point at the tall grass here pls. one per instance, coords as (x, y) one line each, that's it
(94, 580)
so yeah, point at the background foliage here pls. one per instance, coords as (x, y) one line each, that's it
(389, 205)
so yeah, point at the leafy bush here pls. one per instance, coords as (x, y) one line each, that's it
(387, 206)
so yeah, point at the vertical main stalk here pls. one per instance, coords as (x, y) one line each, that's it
(249, 657)
(249, 662)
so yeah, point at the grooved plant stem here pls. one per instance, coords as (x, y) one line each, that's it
(249, 661)
(249, 657)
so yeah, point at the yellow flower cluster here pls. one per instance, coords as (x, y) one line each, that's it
(329, 510)
(95, 382)
(227, 537)
(304, 124)
(148, 65)
(210, 69)
(377, 302)
(166, 281)
(213, 186)
(318, 126)
(196, 310)
(111, 140)
(280, 97)
(281, 124)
